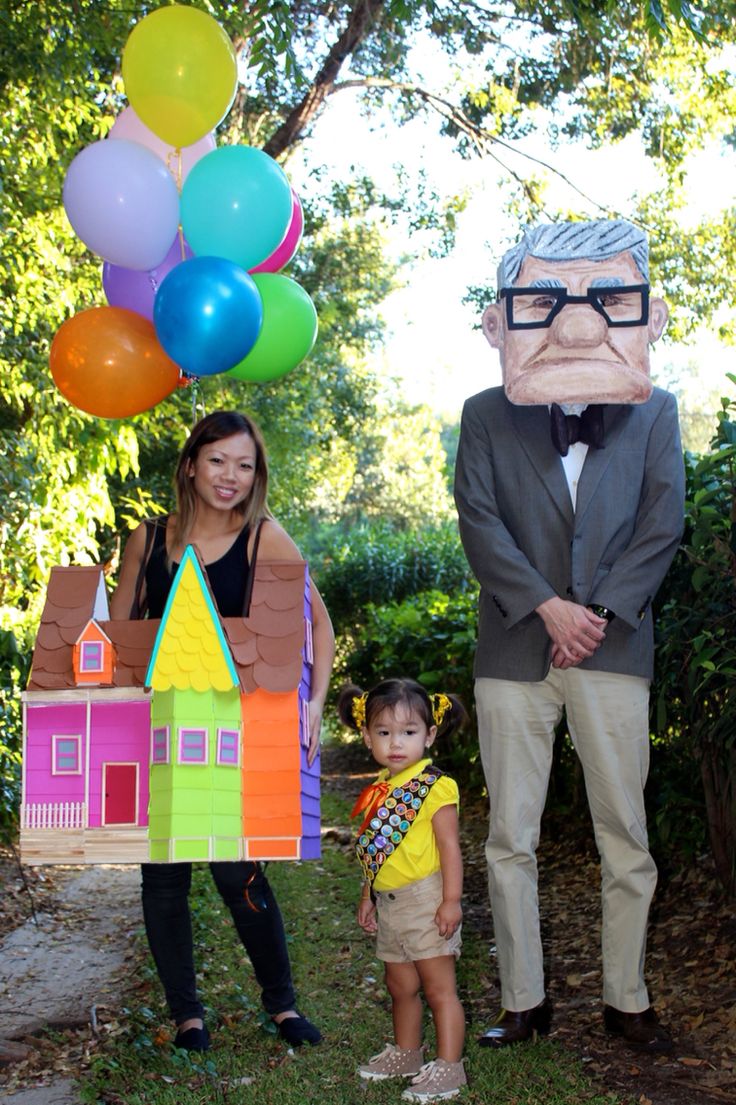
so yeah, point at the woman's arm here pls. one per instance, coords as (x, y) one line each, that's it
(275, 544)
(447, 835)
(122, 599)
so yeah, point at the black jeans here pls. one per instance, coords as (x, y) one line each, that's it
(245, 891)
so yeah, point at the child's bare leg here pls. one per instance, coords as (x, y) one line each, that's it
(437, 976)
(403, 985)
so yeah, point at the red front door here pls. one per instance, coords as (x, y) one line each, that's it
(120, 787)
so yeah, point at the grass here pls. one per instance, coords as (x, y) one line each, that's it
(339, 984)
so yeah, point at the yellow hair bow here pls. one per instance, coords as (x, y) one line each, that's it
(358, 709)
(440, 705)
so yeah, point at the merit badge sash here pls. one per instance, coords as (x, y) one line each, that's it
(392, 820)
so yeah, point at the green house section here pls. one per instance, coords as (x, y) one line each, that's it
(195, 810)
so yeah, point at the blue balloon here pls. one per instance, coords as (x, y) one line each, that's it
(208, 314)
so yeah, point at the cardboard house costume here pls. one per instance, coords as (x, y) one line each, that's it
(168, 740)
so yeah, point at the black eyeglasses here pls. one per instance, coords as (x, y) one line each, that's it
(535, 308)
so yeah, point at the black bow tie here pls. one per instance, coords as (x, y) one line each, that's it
(566, 429)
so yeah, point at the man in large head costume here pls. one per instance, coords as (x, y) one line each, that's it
(570, 490)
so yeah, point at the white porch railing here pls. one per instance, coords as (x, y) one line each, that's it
(53, 815)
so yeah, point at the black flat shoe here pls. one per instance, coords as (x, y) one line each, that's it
(514, 1027)
(193, 1039)
(296, 1031)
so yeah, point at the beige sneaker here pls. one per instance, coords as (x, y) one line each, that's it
(436, 1081)
(393, 1062)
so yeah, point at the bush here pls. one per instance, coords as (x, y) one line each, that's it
(374, 563)
(429, 637)
(14, 668)
(696, 659)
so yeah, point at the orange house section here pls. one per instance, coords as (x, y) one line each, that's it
(93, 635)
(271, 776)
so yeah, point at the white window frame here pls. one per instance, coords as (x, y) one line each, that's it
(224, 732)
(201, 730)
(165, 729)
(55, 738)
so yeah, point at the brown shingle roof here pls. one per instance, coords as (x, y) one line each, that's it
(266, 647)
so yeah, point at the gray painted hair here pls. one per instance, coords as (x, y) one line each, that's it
(595, 240)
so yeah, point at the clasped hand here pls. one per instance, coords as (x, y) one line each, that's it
(575, 631)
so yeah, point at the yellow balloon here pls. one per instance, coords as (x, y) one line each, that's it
(180, 73)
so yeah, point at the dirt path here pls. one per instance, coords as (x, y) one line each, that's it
(56, 970)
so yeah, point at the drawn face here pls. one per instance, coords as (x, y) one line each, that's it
(579, 357)
(398, 738)
(224, 471)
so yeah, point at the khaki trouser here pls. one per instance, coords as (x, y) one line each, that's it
(608, 720)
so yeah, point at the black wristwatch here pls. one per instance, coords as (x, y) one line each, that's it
(601, 611)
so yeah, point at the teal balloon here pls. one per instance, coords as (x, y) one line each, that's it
(288, 332)
(236, 203)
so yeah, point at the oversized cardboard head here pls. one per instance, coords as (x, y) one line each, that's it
(574, 318)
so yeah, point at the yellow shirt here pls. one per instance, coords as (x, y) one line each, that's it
(417, 856)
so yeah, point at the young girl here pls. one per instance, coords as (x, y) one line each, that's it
(221, 484)
(409, 848)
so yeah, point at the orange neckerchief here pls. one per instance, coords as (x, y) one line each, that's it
(369, 800)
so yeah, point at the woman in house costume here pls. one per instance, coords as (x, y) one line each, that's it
(221, 484)
(409, 849)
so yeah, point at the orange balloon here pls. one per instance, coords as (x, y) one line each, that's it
(108, 362)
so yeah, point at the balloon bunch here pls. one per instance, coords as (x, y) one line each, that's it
(193, 237)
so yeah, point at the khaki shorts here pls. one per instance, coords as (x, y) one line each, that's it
(406, 928)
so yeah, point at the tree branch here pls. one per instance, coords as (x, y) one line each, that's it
(363, 17)
(481, 139)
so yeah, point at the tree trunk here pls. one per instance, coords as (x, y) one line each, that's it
(718, 770)
(364, 15)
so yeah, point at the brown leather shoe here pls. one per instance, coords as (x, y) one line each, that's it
(641, 1031)
(513, 1027)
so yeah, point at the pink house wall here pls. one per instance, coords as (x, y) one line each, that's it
(42, 722)
(121, 733)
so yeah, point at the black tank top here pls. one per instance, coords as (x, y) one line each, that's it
(227, 576)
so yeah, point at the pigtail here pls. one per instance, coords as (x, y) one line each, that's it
(351, 706)
(448, 712)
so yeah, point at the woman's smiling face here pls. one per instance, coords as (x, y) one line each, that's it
(224, 471)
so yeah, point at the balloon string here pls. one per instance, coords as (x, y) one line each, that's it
(179, 181)
(198, 408)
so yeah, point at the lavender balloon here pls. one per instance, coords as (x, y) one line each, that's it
(137, 290)
(122, 202)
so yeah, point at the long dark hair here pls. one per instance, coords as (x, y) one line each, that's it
(214, 427)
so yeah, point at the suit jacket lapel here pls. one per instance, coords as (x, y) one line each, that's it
(615, 420)
(532, 428)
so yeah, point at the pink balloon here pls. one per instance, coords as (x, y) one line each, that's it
(128, 125)
(136, 290)
(290, 243)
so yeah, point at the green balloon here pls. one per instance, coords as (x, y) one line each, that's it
(288, 332)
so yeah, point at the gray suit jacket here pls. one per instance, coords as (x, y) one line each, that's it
(525, 545)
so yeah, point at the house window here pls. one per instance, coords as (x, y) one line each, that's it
(228, 742)
(160, 745)
(192, 746)
(92, 658)
(66, 755)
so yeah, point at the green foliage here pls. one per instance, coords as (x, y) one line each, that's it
(696, 696)
(376, 564)
(14, 669)
(429, 637)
